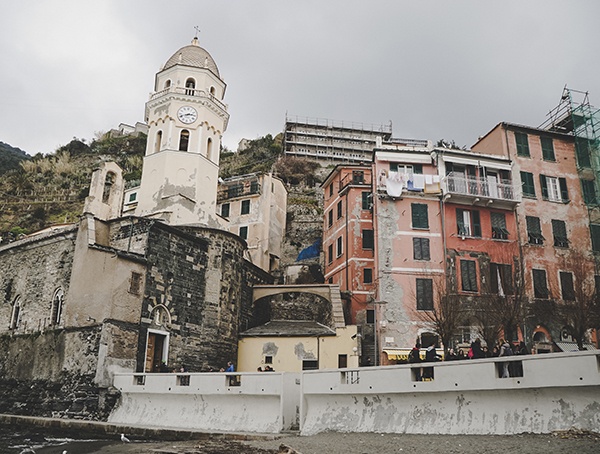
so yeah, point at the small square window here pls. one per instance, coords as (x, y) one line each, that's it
(268, 360)
(368, 275)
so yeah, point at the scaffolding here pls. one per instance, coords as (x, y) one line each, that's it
(575, 116)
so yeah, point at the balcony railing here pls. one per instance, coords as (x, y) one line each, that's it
(194, 92)
(241, 189)
(357, 177)
(491, 187)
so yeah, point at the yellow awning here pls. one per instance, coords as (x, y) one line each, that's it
(401, 354)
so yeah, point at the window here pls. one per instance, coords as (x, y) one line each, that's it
(595, 234)
(310, 364)
(402, 168)
(184, 140)
(589, 192)
(244, 232)
(109, 181)
(501, 282)
(534, 230)
(468, 275)
(331, 190)
(135, 283)
(559, 231)
(190, 85)
(527, 184)
(58, 301)
(339, 209)
(225, 210)
(167, 83)
(366, 200)
(582, 151)
(158, 142)
(420, 219)
(522, 144)
(499, 231)
(268, 360)
(554, 189)
(547, 149)
(424, 294)
(566, 286)
(330, 216)
(245, 207)
(367, 275)
(15, 316)
(339, 249)
(468, 223)
(370, 316)
(421, 249)
(209, 149)
(132, 197)
(358, 177)
(342, 361)
(540, 289)
(330, 253)
(368, 240)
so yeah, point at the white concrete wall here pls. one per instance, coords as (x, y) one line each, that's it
(263, 402)
(556, 392)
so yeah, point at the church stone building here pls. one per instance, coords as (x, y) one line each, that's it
(165, 287)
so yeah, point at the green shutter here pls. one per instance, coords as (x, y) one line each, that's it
(564, 193)
(476, 223)
(547, 149)
(544, 186)
(595, 234)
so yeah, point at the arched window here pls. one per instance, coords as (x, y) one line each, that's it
(57, 306)
(167, 83)
(212, 91)
(158, 141)
(15, 316)
(190, 86)
(209, 148)
(108, 184)
(184, 140)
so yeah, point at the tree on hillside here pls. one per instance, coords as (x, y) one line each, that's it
(295, 170)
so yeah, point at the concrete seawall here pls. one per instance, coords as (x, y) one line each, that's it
(546, 393)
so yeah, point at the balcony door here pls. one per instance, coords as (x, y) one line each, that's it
(492, 183)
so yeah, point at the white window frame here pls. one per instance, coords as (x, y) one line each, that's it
(554, 193)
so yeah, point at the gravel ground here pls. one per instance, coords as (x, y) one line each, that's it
(558, 443)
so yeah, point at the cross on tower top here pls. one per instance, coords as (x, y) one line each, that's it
(197, 30)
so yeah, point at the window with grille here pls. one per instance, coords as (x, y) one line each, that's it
(540, 287)
(522, 144)
(559, 231)
(534, 230)
(566, 286)
(424, 294)
(468, 275)
(499, 230)
(421, 249)
(547, 149)
(420, 219)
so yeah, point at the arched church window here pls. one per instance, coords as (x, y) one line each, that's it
(184, 140)
(158, 141)
(109, 181)
(212, 91)
(57, 307)
(15, 316)
(209, 148)
(167, 83)
(190, 86)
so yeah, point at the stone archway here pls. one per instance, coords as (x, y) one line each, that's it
(330, 292)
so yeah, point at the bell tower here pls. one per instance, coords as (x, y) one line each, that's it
(186, 119)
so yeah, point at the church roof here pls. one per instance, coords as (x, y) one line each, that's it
(193, 55)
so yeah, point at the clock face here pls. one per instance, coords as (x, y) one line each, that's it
(187, 114)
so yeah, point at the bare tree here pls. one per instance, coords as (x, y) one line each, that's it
(579, 309)
(446, 313)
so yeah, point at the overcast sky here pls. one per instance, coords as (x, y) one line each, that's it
(435, 69)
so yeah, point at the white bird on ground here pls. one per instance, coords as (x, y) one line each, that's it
(64, 452)
(124, 439)
(27, 451)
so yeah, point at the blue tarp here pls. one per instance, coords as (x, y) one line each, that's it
(311, 251)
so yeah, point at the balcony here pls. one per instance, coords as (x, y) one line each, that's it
(356, 178)
(237, 189)
(472, 190)
(190, 92)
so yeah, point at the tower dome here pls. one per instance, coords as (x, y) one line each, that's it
(193, 55)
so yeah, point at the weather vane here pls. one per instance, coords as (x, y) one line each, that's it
(197, 30)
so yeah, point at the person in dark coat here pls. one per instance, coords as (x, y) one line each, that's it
(476, 349)
(415, 357)
(431, 356)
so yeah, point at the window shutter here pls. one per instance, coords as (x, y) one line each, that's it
(476, 223)
(544, 186)
(564, 193)
(460, 222)
(417, 249)
(425, 249)
(493, 278)
(595, 234)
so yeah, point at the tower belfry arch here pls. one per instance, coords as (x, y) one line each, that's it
(330, 292)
